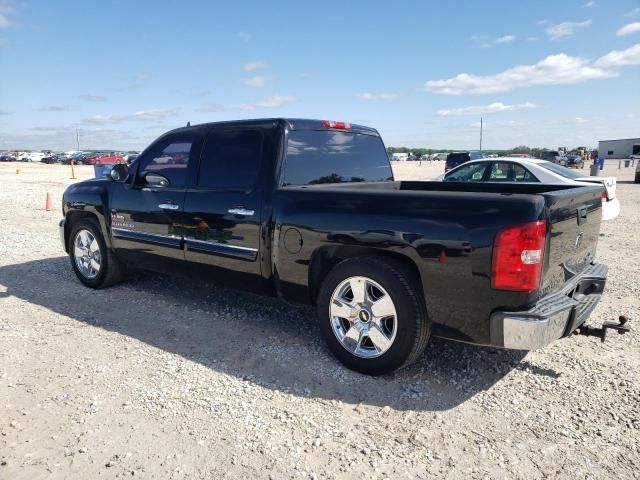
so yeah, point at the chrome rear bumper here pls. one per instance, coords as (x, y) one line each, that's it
(554, 316)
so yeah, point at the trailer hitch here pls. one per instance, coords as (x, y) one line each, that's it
(601, 332)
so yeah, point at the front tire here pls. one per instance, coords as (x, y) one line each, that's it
(94, 264)
(372, 315)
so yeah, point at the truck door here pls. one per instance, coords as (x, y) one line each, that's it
(223, 206)
(146, 213)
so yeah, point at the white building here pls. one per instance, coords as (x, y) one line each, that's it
(619, 148)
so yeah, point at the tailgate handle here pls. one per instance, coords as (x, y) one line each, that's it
(582, 215)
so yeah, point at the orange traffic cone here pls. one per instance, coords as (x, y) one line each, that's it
(49, 205)
(73, 174)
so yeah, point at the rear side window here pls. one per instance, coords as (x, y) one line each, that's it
(317, 157)
(230, 159)
(468, 173)
(169, 159)
(510, 172)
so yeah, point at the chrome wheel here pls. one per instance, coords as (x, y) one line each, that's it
(86, 251)
(363, 317)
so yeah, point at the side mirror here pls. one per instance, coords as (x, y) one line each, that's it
(119, 172)
(156, 179)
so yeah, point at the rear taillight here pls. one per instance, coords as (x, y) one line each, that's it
(518, 255)
(604, 195)
(337, 125)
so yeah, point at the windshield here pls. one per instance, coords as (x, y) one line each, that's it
(316, 157)
(560, 170)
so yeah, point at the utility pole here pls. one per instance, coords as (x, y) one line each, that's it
(480, 134)
(77, 140)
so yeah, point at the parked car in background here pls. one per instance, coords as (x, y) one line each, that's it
(7, 157)
(517, 155)
(574, 160)
(51, 158)
(554, 156)
(458, 158)
(31, 156)
(531, 170)
(105, 159)
(637, 179)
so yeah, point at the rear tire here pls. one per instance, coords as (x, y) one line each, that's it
(88, 250)
(377, 335)
(637, 179)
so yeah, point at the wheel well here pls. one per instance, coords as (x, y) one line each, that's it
(73, 217)
(324, 260)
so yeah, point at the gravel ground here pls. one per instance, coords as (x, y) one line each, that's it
(165, 378)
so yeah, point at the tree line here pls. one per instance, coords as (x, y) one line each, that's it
(533, 151)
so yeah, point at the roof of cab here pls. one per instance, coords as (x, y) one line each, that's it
(291, 124)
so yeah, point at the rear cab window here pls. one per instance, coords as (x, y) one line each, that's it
(315, 157)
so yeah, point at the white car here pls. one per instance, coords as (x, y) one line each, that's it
(31, 156)
(532, 170)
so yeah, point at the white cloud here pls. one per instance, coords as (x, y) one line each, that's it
(499, 123)
(379, 96)
(93, 98)
(482, 41)
(628, 29)
(257, 82)
(532, 39)
(244, 36)
(255, 65)
(566, 29)
(153, 115)
(553, 70)
(505, 39)
(4, 9)
(589, 4)
(633, 12)
(495, 107)
(274, 101)
(53, 108)
(580, 120)
(620, 58)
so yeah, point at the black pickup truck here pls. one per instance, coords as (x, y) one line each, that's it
(309, 210)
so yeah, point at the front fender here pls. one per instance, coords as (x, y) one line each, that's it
(88, 198)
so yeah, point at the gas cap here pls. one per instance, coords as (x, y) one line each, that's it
(292, 240)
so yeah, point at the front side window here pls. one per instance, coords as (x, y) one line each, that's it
(318, 157)
(170, 159)
(467, 173)
(230, 159)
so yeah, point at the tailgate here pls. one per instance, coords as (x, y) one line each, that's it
(574, 226)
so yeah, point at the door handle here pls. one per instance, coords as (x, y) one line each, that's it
(241, 211)
(169, 206)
